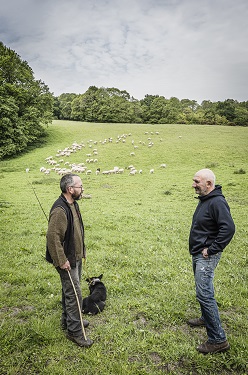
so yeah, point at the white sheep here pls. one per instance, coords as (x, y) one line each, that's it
(151, 171)
(112, 171)
(51, 162)
(133, 172)
(86, 196)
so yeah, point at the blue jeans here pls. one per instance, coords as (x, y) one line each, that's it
(204, 274)
(70, 313)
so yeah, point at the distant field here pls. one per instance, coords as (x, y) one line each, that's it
(136, 235)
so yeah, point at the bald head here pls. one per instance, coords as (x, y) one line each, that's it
(207, 175)
(204, 182)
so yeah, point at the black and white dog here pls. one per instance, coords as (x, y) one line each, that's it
(95, 302)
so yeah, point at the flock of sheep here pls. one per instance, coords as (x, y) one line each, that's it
(60, 166)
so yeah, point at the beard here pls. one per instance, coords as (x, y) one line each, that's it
(76, 197)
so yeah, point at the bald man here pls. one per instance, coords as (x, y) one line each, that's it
(211, 231)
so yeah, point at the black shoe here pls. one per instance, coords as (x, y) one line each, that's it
(208, 347)
(196, 322)
(80, 340)
(64, 325)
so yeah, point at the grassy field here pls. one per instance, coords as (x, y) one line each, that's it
(137, 236)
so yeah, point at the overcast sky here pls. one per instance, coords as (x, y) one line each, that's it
(194, 49)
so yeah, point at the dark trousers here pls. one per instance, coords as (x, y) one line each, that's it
(70, 314)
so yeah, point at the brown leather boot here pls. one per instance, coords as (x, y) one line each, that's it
(80, 340)
(208, 347)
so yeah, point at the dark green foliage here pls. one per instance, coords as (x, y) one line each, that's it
(63, 108)
(240, 171)
(104, 105)
(25, 104)
(115, 106)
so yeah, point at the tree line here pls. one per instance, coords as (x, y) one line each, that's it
(26, 105)
(115, 106)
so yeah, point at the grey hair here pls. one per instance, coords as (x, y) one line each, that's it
(66, 181)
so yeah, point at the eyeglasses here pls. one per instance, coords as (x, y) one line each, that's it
(78, 187)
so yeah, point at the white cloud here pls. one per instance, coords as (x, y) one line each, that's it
(192, 49)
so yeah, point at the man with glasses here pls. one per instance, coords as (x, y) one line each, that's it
(65, 249)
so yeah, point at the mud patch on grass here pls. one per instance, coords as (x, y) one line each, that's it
(140, 321)
(15, 312)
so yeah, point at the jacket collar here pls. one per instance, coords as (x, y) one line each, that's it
(214, 193)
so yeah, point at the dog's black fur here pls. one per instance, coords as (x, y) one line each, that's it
(95, 302)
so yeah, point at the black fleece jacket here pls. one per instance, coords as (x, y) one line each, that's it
(212, 225)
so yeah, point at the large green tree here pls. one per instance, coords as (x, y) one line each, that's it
(115, 106)
(25, 104)
(227, 109)
(105, 105)
(64, 106)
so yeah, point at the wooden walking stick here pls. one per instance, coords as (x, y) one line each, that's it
(88, 342)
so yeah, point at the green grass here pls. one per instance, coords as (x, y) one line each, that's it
(136, 235)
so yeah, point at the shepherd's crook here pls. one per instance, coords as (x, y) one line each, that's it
(79, 307)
